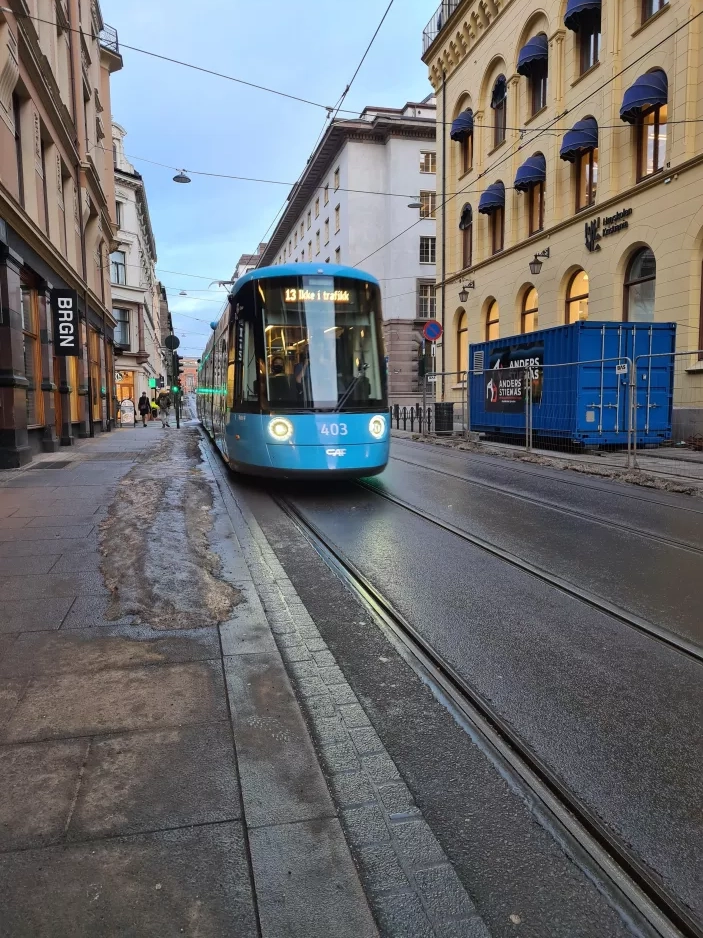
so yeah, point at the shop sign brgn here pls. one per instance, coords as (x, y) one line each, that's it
(64, 306)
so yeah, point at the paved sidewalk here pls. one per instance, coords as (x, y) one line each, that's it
(157, 774)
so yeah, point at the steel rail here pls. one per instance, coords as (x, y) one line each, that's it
(509, 465)
(678, 642)
(627, 882)
(570, 512)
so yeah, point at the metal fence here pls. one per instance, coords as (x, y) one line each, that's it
(617, 411)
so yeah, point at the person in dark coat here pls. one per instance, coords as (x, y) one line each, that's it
(144, 408)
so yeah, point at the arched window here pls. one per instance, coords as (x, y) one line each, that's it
(530, 309)
(640, 281)
(533, 63)
(651, 137)
(467, 228)
(493, 322)
(462, 346)
(498, 104)
(577, 297)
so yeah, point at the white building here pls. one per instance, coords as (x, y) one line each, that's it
(351, 206)
(135, 289)
(248, 262)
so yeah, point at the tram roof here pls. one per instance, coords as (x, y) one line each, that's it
(303, 270)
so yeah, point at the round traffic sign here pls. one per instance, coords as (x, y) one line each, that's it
(172, 342)
(432, 331)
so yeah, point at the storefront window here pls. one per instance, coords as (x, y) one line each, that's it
(530, 309)
(94, 364)
(462, 347)
(577, 297)
(32, 355)
(492, 322)
(640, 282)
(73, 383)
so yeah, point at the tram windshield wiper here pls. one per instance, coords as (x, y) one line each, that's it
(347, 393)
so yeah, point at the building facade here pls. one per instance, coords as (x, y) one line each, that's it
(56, 223)
(189, 375)
(136, 293)
(577, 129)
(248, 262)
(352, 206)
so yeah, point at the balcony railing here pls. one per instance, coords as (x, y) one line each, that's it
(109, 40)
(437, 23)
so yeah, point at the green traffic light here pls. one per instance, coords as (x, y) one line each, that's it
(175, 389)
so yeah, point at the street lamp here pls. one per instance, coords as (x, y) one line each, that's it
(181, 177)
(464, 292)
(416, 203)
(536, 264)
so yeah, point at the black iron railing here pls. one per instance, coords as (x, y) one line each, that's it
(437, 23)
(412, 418)
(109, 40)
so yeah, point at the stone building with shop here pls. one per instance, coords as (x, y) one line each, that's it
(136, 293)
(56, 225)
(574, 129)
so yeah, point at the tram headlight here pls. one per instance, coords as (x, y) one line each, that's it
(377, 427)
(281, 429)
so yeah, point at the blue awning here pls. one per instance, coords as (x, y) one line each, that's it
(467, 217)
(500, 91)
(463, 126)
(579, 10)
(649, 90)
(532, 170)
(582, 137)
(533, 54)
(492, 199)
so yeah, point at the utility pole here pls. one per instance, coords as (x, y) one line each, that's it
(174, 374)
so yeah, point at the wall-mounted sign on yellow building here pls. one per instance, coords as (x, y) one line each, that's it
(577, 127)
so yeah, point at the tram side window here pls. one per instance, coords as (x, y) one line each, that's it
(250, 384)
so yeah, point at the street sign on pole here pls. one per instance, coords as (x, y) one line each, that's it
(172, 342)
(432, 331)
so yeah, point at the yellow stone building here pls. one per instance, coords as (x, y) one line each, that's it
(573, 127)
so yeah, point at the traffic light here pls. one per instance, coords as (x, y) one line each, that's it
(178, 364)
(175, 389)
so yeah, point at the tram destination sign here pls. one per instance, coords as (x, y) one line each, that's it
(64, 307)
(294, 295)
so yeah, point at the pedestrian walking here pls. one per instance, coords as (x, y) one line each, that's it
(144, 408)
(164, 410)
(154, 409)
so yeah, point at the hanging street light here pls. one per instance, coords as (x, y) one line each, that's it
(536, 264)
(416, 203)
(181, 177)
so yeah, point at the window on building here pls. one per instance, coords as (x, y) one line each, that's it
(327, 231)
(589, 40)
(336, 179)
(428, 250)
(290, 245)
(466, 225)
(338, 256)
(317, 242)
(309, 250)
(538, 87)
(295, 238)
(497, 223)
(428, 204)
(651, 141)
(586, 178)
(336, 219)
(122, 337)
(530, 309)
(45, 188)
(118, 213)
(327, 193)
(462, 345)
(428, 161)
(492, 322)
(577, 297)
(535, 204)
(327, 260)
(467, 153)
(498, 104)
(650, 7)
(94, 365)
(118, 267)
(302, 230)
(640, 281)
(309, 219)
(427, 301)
(32, 355)
(317, 207)
(16, 111)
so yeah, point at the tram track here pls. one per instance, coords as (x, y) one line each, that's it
(650, 629)
(622, 876)
(551, 506)
(508, 464)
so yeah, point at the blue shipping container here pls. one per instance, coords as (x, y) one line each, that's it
(580, 382)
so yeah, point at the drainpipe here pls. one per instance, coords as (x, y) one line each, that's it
(444, 214)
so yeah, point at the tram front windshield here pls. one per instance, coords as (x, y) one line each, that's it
(321, 339)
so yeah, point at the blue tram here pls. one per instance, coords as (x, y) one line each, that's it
(293, 379)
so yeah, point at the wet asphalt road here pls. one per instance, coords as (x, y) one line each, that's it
(614, 712)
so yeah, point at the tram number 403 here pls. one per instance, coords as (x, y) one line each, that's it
(334, 429)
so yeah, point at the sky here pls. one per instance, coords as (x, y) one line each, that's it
(185, 119)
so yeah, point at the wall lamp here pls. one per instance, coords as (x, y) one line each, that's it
(464, 292)
(536, 264)
(416, 203)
